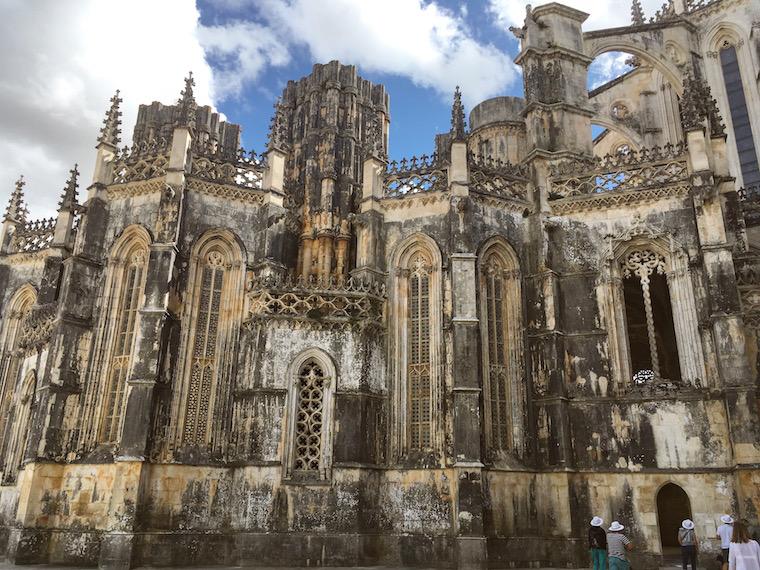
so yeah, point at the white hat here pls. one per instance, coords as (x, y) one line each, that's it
(687, 524)
(597, 521)
(726, 519)
(616, 526)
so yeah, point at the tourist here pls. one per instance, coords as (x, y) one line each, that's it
(617, 546)
(725, 531)
(687, 538)
(597, 542)
(743, 553)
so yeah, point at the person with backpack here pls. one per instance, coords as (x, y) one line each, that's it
(597, 542)
(687, 538)
(618, 545)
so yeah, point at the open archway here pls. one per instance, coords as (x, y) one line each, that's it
(673, 506)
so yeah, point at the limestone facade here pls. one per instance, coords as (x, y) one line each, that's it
(319, 357)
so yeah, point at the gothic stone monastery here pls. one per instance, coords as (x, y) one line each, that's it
(313, 356)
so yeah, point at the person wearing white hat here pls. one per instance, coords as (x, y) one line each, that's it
(724, 534)
(597, 542)
(617, 546)
(687, 538)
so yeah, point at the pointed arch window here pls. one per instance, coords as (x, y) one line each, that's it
(127, 298)
(214, 311)
(416, 315)
(311, 404)
(18, 309)
(204, 357)
(501, 330)
(106, 394)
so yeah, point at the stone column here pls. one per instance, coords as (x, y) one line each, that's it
(118, 542)
(60, 380)
(467, 384)
(706, 161)
(370, 254)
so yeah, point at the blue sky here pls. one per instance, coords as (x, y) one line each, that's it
(57, 81)
(418, 112)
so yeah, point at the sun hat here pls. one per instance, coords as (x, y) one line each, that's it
(597, 521)
(726, 519)
(687, 524)
(616, 526)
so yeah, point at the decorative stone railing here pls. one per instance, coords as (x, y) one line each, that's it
(694, 5)
(239, 168)
(749, 200)
(33, 236)
(141, 161)
(415, 176)
(331, 301)
(652, 168)
(496, 178)
(37, 325)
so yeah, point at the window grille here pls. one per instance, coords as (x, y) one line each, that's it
(309, 428)
(204, 356)
(498, 380)
(121, 359)
(418, 367)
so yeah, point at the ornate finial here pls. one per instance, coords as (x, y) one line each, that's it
(374, 138)
(457, 116)
(691, 106)
(111, 130)
(69, 196)
(16, 210)
(637, 13)
(698, 104)
(186, 104)
(278, 128)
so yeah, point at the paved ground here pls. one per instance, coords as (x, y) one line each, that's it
(6, 566)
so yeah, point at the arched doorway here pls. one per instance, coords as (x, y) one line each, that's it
(673, 506)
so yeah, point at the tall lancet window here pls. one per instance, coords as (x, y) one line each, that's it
(418, 367)
(213, 312)
(127, 296)
(204, 358)
(501, 329)
(416, 346)
(10, 360)
(740, 117)
(106, 391)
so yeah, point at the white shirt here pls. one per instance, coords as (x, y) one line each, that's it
(744, 556)
(724, 532)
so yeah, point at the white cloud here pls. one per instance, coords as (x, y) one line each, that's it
(61, 63)
(602, 13)
(607, 67)
(419, 40)
(239, 52)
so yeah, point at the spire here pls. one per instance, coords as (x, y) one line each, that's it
(637, 13)
(278, 128)
(69, 196)
(16, 210)
(457, 116)
(111, 130)
(186, 103)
